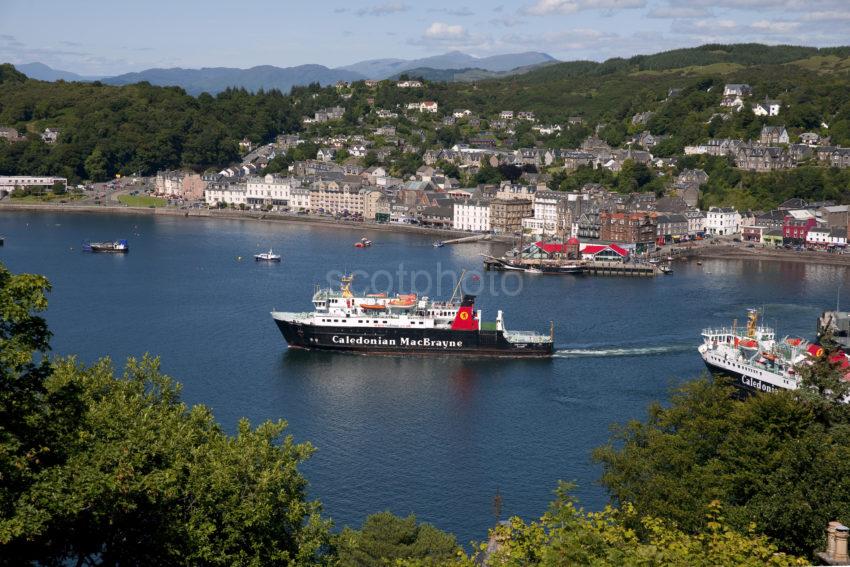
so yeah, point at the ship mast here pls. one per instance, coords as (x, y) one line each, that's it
(459, 281)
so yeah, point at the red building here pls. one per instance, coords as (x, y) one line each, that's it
(796, 226)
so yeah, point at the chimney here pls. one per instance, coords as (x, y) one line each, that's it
(836, 544)
(841, 533)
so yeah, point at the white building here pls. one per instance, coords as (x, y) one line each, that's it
(696, 221)
(472, 215)
(271, 190)
(9, 182)
(722, 221)
(227, 193)
(822, 237)
(550, 213)
(424, 106)
(767, 108)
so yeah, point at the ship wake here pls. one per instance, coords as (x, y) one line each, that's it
(606, 352)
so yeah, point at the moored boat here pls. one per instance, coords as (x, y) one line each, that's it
(118, 246)
(269, 256)
(404, 324)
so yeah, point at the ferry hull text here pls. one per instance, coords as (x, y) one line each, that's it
(408, 341)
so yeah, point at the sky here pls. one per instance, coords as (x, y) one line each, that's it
(108, 37)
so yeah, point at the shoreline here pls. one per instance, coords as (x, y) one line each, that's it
(767, 254)
(723, 252)
(245, 215)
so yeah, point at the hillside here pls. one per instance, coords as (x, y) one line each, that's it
(140, 127)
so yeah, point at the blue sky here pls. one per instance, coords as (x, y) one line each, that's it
(111, 37)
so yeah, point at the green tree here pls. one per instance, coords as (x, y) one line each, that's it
(99, 469)
(566, 535)
(96, 166)
(386, 539)
(779, 460)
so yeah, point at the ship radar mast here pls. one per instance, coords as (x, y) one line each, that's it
(752, 322)
(345, 285)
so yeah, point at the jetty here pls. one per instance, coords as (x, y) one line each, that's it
(474, 238)
(582, 267)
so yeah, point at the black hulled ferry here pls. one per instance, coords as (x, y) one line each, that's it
(404, 324)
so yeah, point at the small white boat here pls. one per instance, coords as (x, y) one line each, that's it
(533, 271)
(439, 244)
(269, 256)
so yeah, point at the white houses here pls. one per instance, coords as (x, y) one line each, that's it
(424, 106)
(473, 215)
(767, 108)
(225, 193)
(822, 237)
(720, 221)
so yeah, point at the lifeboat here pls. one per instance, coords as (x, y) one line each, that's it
(791, 341)
(372, 307)
(376, 295)
(403, 301)
(750, 344)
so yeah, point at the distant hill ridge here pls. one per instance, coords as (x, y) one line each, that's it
(528, 68)
(217, 79)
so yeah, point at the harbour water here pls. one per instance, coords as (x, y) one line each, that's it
(433, 436)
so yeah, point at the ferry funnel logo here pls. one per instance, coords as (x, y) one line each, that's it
(465, 318)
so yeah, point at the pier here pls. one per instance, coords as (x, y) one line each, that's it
(620, 269)
(474, 238)
(587, 267)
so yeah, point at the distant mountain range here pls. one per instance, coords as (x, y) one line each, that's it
(42, 72)
(217, 79)
(383, 68)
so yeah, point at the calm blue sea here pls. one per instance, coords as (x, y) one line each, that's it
(433, 436)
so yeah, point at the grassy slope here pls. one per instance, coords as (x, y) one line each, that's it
(141, 201)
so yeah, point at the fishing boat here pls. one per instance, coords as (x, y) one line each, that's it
(118, 246)
(269, 256)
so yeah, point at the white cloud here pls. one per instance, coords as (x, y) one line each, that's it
(443, 31)
(678, 12)
(383, 9)
(548, 7)
(826, 16)
(774, 26)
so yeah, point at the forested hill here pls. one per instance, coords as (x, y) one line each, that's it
(142, 128)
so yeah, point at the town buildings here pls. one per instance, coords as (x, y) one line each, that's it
(633, 228)
(506, 215)
(180, 184)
